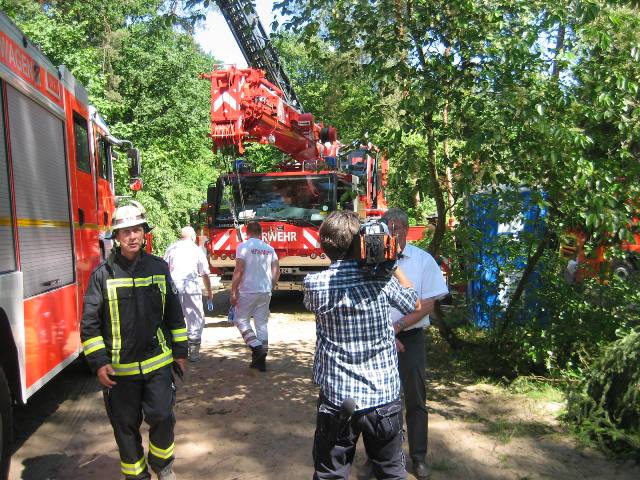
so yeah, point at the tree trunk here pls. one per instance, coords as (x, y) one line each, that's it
(441, 209)
(515, 298)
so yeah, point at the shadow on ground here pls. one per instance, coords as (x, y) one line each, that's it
(73, 383)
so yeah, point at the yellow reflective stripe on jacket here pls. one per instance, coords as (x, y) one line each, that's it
(163, 453)
(154, 363)
(163, 341)
(161, 281)
(124, 369)
(114, 312)
(179, 335)
(93, 344)
(133, 468)
(146, 366)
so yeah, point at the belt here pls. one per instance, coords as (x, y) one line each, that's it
(409, 333)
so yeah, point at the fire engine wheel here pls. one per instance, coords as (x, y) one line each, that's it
(6, 426)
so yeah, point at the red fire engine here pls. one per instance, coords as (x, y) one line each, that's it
(292, 202)
(259, 105)
(56, 202)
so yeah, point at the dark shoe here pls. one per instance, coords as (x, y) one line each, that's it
(258, 358)
(261, 365)
(421, 471)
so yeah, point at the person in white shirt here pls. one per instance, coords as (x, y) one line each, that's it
(255, 275)
(427, 279)
(187, 263)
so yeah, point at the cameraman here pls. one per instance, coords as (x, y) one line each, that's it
(355, 363)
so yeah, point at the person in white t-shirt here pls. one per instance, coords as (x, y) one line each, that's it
(187, 263)
(427, 279)
(254, 278)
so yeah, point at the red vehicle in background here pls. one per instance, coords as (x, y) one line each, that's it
(586, 263)
(291, 202)
(259, 105)
(56, 201)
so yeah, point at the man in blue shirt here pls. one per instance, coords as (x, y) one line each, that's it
(356, 364)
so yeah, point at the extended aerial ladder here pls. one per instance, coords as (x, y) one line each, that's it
(256, 47)
(259, 104)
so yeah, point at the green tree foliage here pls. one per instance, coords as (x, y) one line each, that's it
(433, 57)
(142, 74)
(327, 82)
(508, 94)
(504, 94)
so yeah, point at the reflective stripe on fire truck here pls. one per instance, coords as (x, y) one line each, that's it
(225, 98)
(221, 241)
(162, 453)
(133, 468)
(93, 344)
(179, 335)
(36, 222)
(151, 364)
(310, 238)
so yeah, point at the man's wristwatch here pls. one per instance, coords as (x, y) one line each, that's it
(400, 325)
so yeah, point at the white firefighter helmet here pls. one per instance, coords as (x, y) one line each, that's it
(130, 215)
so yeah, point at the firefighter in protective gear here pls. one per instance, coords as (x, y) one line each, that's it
(133, 333)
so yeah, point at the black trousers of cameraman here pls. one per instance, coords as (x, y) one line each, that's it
(151, 395)
(334, 443)
(412, 366)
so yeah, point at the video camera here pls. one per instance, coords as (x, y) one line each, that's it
(375, 249)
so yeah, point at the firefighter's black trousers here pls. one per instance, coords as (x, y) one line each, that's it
(154, 395)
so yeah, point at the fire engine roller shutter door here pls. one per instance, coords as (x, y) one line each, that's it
(42, 194)
(7, 250)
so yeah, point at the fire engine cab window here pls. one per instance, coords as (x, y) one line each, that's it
(82, 144)
(294, 199)
(357, 166)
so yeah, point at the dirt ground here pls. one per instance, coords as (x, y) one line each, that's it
(235, 423)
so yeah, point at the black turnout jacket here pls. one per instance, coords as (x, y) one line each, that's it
(132, 316)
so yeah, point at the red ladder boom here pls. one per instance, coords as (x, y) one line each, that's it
(246, 107)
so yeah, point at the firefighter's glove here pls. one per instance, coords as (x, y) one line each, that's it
(179, 366)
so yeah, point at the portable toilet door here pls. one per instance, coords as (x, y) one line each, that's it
(507, 225)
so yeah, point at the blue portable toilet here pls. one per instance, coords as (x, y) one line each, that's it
(507, 224)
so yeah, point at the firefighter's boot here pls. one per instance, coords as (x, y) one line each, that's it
(167, 473)
(194, 352)
(258, 358)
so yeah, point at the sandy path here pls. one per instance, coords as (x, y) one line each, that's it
(235, 423)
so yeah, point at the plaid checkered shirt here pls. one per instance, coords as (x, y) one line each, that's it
(355, 342)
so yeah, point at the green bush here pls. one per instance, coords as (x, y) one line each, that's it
(571, 326)
(606, 405)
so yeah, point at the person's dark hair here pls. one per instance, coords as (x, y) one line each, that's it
(254, 229)
(337, 232)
